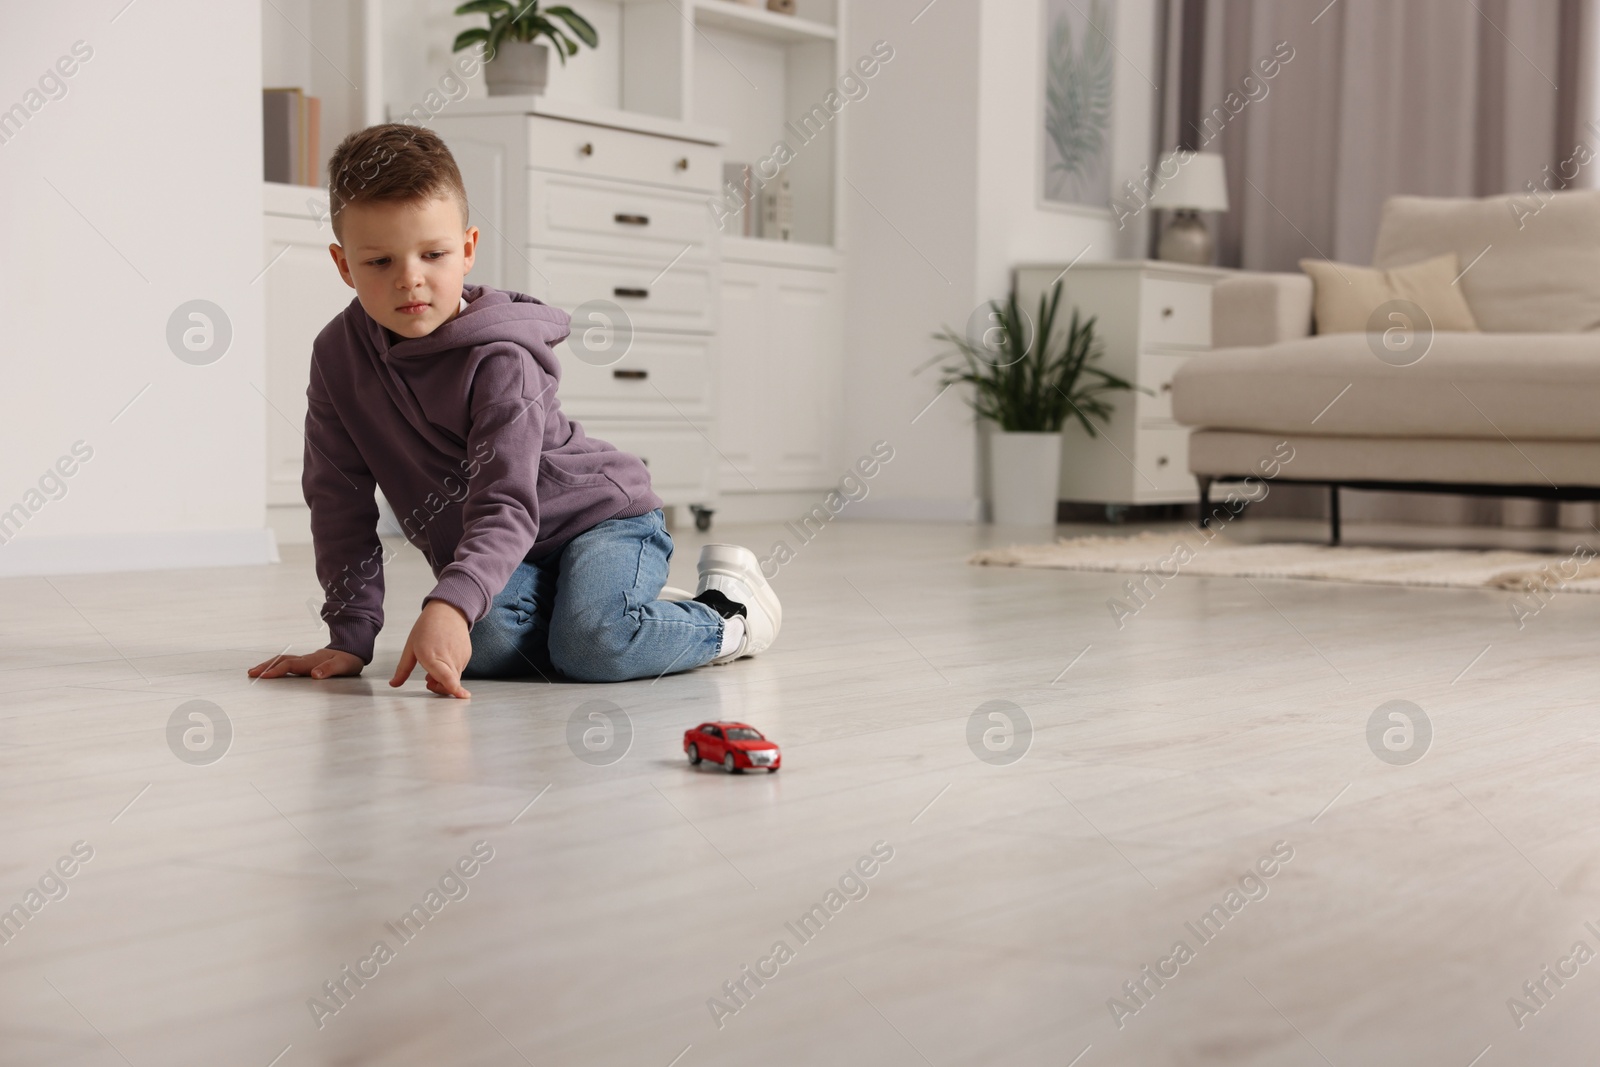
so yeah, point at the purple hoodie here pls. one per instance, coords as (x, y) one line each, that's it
(463, 432)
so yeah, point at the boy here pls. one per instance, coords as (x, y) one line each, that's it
(548, 546)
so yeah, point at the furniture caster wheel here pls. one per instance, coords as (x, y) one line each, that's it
(1115, 513)
(702, 517)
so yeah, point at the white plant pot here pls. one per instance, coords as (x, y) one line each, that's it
(519, 68)
(1024, 478)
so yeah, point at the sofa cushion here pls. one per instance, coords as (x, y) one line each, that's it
(1524, 386)
(1347, 295)
(1541, 270)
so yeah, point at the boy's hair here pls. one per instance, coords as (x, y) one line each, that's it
(393, 161)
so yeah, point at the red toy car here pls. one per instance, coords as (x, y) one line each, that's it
(732, 744)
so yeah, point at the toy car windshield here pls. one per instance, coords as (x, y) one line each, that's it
(744, 733)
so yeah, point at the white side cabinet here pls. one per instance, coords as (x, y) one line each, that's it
(1150, 317)
(781, 368)
(303, 292)
(606, 215)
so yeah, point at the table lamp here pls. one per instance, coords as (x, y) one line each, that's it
(1200, 185)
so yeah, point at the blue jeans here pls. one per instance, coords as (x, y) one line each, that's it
(589, 612)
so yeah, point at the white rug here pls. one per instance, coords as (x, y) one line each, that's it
(1191, 552)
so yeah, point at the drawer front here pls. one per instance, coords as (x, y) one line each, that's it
(677, 300)
(1155, 373)
(663, 376)
(1175, 313)
(680, 460)
(1161, 452)
(589, 213)
(578, 148)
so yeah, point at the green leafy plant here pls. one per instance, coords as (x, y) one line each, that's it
(525, 22)
(1078, 96)
(1033, 380)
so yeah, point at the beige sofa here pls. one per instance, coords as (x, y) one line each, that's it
(1513, 410)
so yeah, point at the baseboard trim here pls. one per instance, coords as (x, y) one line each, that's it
(291, 524)
(100, 553)
(767, 506)
(916, 509)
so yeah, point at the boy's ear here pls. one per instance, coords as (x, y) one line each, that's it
(344, 267)
(469, 252)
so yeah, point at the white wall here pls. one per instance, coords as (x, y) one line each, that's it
(137, 191)
(910, 227)
(1012, 227)
(947, 147)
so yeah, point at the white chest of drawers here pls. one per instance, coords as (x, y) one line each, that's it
(1150, 317)
(592, 211)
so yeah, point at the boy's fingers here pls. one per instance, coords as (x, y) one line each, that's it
(448, 678)
(276, 667)
(403, 669)
(263, 666)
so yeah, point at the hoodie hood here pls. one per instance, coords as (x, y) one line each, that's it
(431, 379)
(491, 315)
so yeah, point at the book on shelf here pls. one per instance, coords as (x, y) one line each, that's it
(291, 128)
(739, 184)
(777, 209)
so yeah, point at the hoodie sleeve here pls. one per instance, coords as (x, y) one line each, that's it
(339, 489)
(500, 515)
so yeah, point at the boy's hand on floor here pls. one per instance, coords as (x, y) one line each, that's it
(441, 644)
(323, 663)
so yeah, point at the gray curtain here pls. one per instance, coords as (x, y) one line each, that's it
(1381, 97)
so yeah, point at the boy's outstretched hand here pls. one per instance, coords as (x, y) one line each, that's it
(441, 644)
(323, 663)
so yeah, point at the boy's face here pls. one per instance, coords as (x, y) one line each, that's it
(406, 261)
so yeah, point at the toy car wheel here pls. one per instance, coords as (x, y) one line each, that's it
(727, 764)
(694, 754)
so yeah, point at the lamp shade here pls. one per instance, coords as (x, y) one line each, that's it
(1199, 185)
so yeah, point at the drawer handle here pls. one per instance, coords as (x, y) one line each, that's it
(682, 164)
(631, 375)
(638, 294)
(1166, 313)
(1162, 461)
(586, 149)
(632, 220)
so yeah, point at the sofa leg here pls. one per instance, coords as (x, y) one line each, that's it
(1333, 514)
(1205, 500)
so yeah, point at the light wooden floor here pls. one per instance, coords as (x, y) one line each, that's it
(1166, 758)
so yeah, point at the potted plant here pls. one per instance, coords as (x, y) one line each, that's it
(515, 62)
(1029, 382)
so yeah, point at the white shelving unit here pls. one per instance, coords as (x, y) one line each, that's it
(754, 73)
(754, 20)
(710, 71)
(764, 78)
(589, 209)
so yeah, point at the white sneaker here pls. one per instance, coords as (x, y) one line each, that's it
(735, 572)
(672, 592)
